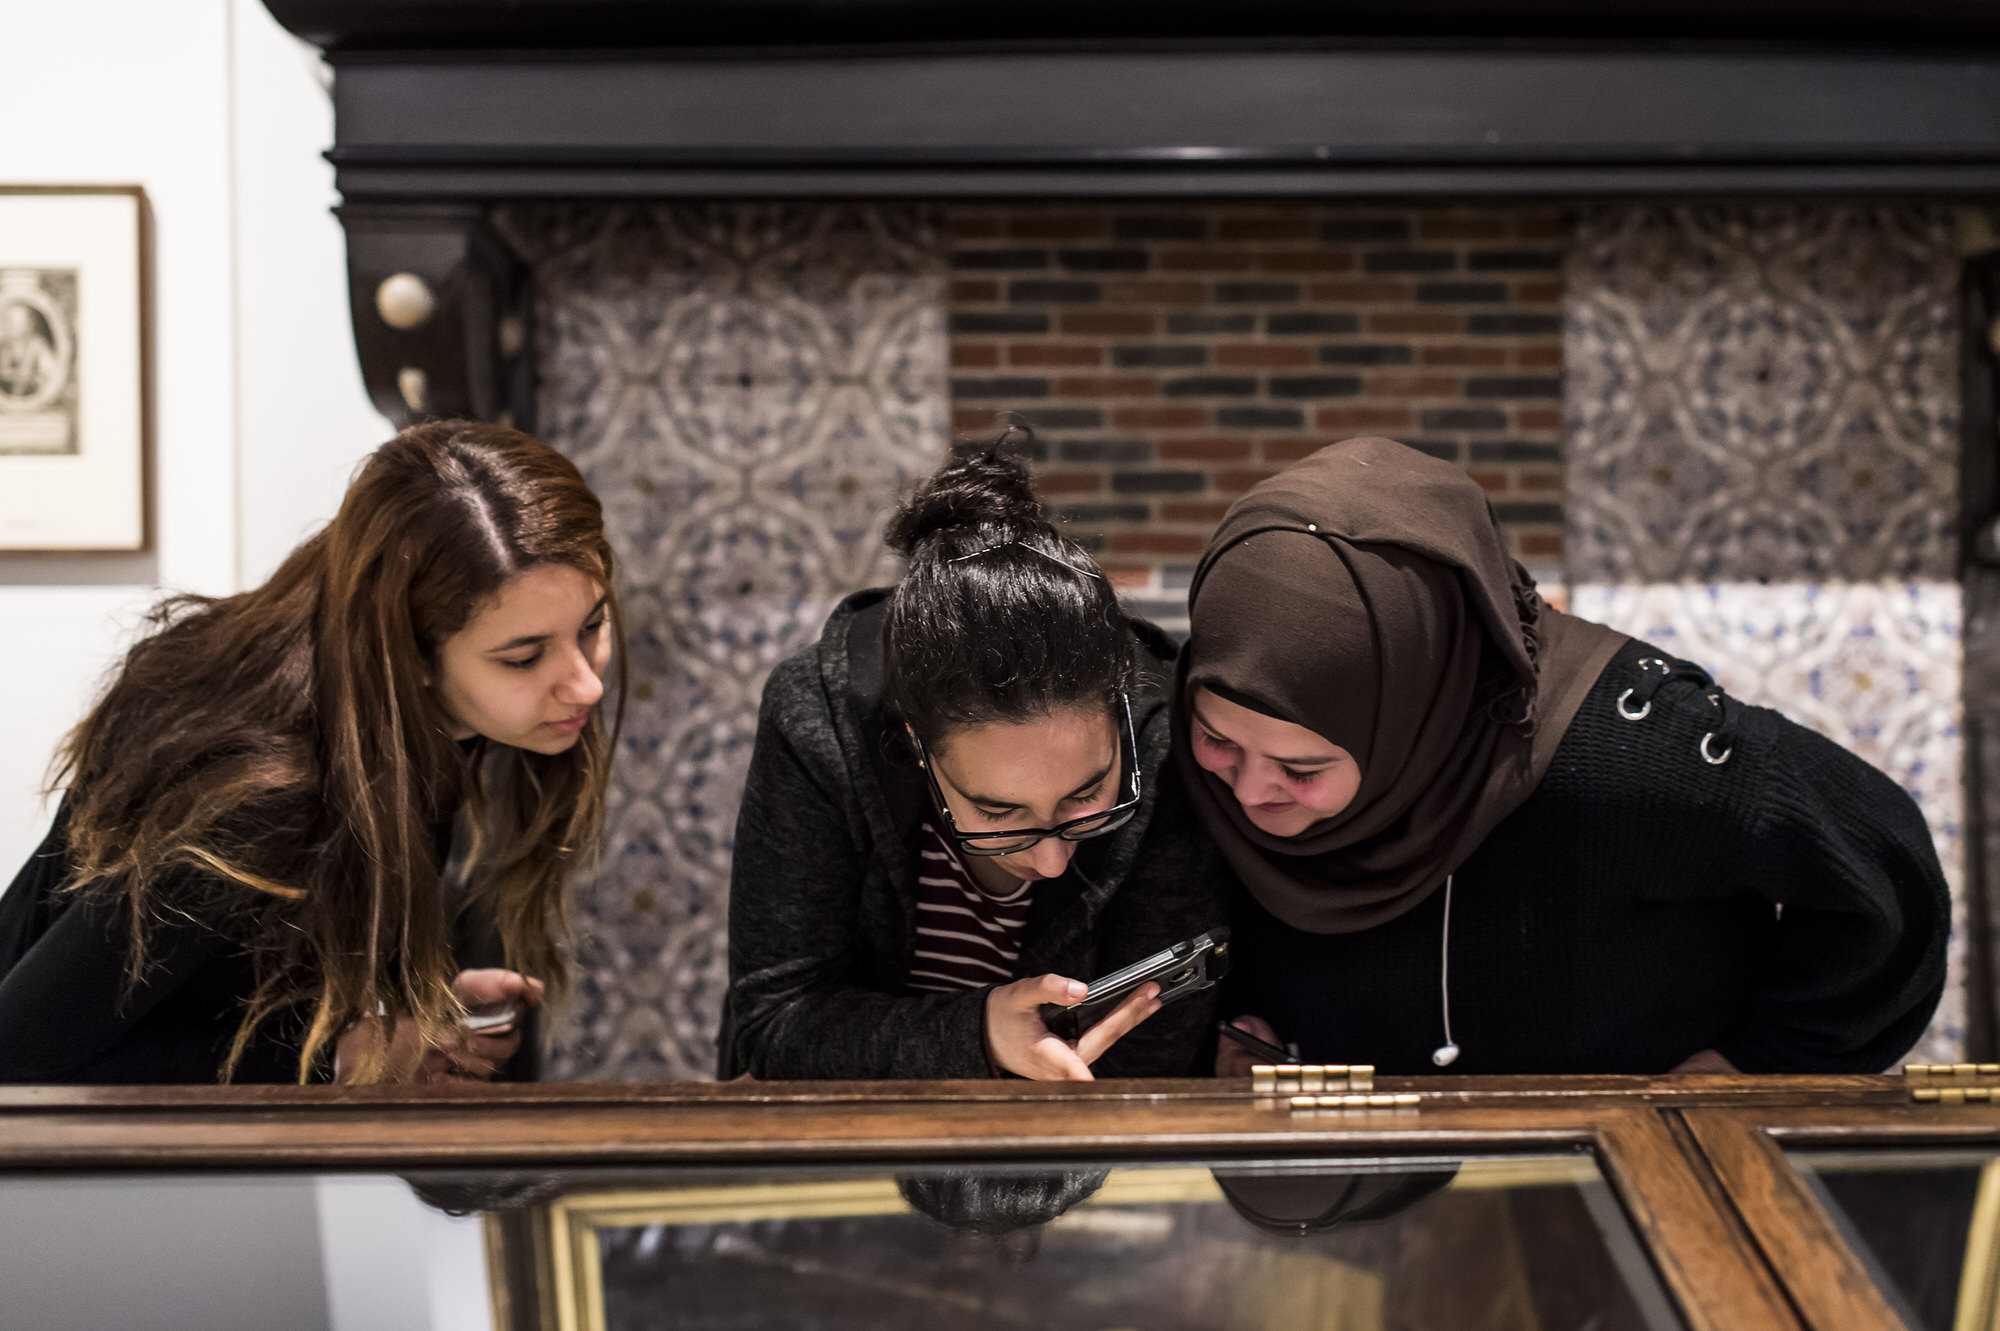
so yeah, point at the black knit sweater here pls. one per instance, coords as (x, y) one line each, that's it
(1785, 907)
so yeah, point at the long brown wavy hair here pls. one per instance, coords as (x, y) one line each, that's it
(276, 764)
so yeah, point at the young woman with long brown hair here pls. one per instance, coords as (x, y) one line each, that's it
(247, 877)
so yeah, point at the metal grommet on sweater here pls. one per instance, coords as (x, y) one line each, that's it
(1724, 731)
(1653, 673)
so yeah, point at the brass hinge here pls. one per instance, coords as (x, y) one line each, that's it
(1325, 1086)
(1952, 1083)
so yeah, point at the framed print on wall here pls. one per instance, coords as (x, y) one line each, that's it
(73, 370)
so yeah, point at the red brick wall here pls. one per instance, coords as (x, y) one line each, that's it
(1173, 356)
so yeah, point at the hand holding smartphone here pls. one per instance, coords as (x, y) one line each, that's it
(1185, 968)
(490, 1032)
(495, 1022)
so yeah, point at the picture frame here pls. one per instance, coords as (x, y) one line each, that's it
(75, 369)
(561, 1249)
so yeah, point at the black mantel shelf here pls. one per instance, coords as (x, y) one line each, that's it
(542, 24)
(488, 99)
(446, 107)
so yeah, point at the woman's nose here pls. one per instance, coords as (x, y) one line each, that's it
(1050, 856)
(1255, 785)
(580, 686)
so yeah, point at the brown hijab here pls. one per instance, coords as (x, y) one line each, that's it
(1367, 595)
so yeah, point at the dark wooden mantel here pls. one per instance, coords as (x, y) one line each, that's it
(445, 107)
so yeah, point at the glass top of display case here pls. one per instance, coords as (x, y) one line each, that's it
(1925, 1224)
(1512, 1243)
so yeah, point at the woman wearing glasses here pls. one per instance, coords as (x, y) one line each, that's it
(954, 815)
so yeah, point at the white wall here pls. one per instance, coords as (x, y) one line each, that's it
(223, 1252)
(302, 415)
(259, 414)
(394, 1264)
(164, 1254)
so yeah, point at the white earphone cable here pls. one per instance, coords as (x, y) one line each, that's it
(1447, 1053)
(1444, 960)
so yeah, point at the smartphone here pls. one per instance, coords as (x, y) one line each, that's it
(1183, 969)
(487, 1023)
(1264, 1049)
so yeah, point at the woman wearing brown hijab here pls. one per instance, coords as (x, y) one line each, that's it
(1479, 833)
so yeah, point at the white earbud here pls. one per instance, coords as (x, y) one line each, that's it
(1446, 1054)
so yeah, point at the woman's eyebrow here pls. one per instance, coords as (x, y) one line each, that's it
(1091, 784)
(1320, 761)
(1005, 805)
(530, 639)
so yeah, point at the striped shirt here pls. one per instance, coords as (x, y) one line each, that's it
(966, 939)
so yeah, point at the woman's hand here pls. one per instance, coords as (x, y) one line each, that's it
(459, 1054)
(1232, 1059)
(1022, 1044)
(481, 1054)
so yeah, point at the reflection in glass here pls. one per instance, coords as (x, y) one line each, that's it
(980, 1202)
(1925, 1223)
(1502, 1243)
(471, 1194)
(1512, 1244)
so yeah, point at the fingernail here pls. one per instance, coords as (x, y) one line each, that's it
(1078, 989)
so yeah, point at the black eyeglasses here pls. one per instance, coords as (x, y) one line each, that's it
(1076, 829)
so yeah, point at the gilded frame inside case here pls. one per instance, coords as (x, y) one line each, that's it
(567, 1247)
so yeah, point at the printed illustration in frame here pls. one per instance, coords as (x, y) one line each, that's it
(73, 368)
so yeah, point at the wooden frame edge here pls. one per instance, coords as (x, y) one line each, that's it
(1718, 1279)
(1798, 1239)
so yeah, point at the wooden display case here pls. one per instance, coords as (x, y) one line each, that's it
(1710, 1202)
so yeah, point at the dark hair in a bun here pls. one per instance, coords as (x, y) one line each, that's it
(1000, 617)
(985, 483)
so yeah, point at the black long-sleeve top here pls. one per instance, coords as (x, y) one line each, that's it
(69, 1015)
(1785, 908)
(822, 896)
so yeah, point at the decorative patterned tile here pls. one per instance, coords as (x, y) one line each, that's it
(1763, 392)
(1875, 667)
(747, 388)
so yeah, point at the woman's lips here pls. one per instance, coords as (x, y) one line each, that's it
(569, 727)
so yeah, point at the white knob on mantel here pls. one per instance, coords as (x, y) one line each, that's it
(404, 301)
